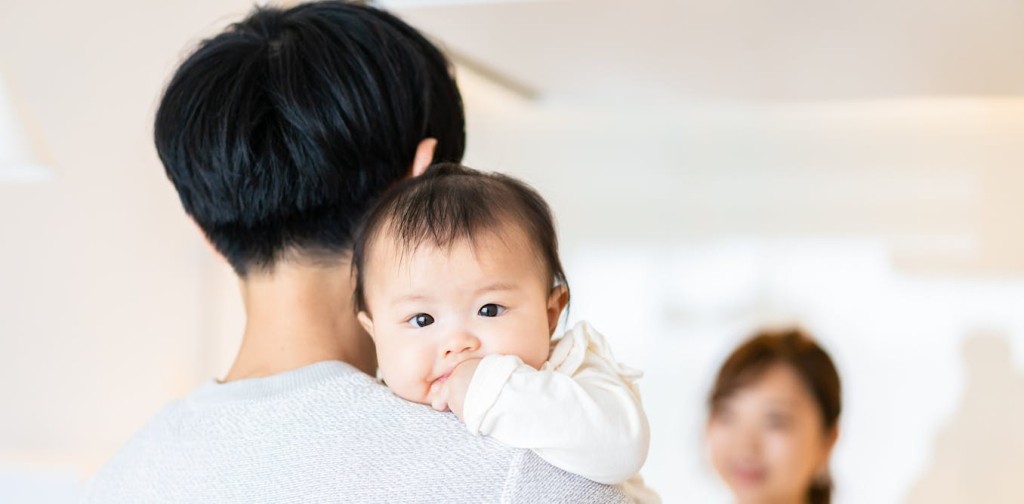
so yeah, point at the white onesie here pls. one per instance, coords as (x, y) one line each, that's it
(580, 412)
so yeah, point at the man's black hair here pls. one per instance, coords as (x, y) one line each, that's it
(450, 203)
(280, 132)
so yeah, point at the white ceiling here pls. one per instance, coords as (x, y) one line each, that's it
(907, 127)
(649, 51)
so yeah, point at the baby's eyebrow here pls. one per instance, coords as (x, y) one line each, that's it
(497, 286)
(408, 298)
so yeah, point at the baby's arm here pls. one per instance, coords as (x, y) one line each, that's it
(583, 416)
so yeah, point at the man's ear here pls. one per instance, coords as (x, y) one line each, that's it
(556, 304)
(366, 322)
(424, 156)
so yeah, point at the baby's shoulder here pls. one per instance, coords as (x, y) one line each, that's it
(583, 346)
(569, 351)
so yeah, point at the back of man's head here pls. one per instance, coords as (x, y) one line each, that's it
(280, 132)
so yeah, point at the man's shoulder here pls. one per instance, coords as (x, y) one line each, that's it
(342, 437)
(537, 481)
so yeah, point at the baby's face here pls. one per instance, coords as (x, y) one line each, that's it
(433, 308)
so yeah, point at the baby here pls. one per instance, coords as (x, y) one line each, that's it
(461, 288)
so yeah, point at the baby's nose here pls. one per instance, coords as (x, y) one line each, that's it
(461, 341)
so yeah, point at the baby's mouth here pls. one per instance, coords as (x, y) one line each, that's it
(443, 378)
(447, 374)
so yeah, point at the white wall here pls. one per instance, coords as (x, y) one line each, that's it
(101, 276)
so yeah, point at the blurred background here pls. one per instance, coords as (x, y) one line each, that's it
(853, 167)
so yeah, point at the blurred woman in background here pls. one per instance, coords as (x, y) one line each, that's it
(774, 419)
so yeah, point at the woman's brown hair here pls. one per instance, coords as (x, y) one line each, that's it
(794, 348)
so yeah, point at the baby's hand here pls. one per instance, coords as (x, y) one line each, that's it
(452, 393)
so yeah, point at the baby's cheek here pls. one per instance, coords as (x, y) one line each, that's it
(539, 355)
(532, 347)
(405, 371)
(540, 344)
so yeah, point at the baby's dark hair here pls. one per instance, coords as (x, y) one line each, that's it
(450, 203)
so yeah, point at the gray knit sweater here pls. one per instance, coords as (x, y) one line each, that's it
(323, 433)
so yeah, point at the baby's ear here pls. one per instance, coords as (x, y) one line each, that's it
(366, 322)
(556, 304)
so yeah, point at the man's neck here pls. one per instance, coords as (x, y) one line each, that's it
(300, 315)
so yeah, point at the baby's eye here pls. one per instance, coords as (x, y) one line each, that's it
(421, 320)
(491, 310)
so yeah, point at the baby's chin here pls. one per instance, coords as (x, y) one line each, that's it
(410, 392)
(417, 396)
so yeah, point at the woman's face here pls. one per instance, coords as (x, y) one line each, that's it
(767, 440)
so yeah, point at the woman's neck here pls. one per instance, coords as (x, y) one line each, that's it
(299, 315)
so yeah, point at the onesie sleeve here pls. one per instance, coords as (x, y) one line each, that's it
(580, 412)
